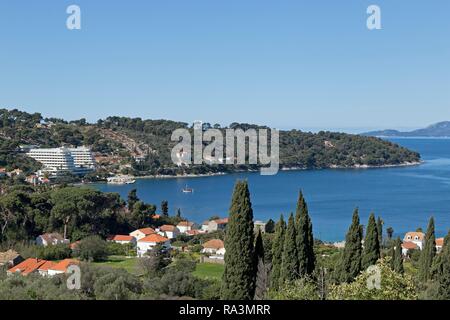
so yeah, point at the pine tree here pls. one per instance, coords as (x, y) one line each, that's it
(238, 281)
(380, 231)
(305, 238)
(443, 272)
(277, 252)
(428, 253)
(132, 199)
(289, 261)
(371, 252)
(396, 257)
(351, 259)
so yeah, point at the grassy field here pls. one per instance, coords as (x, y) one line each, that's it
(129, 264)
(209, 271)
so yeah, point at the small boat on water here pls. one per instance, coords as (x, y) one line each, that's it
(188, 190)
(121, 180)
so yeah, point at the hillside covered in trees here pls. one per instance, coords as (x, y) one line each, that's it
(129, 139)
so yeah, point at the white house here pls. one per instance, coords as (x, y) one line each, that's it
(417, 238)
(61, 267)
(439, 244)
(214, 246)
(214, 225)
(123, 239)
(408, 245)
(185, 226)
(149, 242)
(168, 231)
(51, 239)
(142, 233)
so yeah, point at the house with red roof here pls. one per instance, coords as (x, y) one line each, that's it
(169, 231)
(142, 233)
(149, 242)
(439, 244)
(29, 266)
(185, 226)
(122, 239)
(214, 225)
(61, 267)
(54, 238)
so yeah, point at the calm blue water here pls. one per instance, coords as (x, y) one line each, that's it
(404, 197)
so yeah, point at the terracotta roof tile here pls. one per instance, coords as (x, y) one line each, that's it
(214, 244)
(154, 238)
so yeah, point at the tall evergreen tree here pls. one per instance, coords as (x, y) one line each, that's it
(350, 265)
(380, 231)
(238, 281)
(396, 257)
(277, 252)
(371, 252)
(289, 261)
(165, 208)
(443, 273)
(428, 253)
(262, 272)
(305, 238)
(132, 199)
(259, 247)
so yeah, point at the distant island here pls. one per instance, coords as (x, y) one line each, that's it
(140, 147)
(438, 130)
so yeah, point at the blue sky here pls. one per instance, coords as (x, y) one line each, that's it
(288, 64)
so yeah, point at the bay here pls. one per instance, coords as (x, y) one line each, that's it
(405, 197)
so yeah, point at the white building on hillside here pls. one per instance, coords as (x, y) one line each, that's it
(59, 161)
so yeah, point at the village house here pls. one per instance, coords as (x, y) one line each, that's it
(61, 267)
(214, 246)
(51, 239)
(185, 226)
(149, 242)
(27, 267)
(43, 269)
(415, 237)
(123, 239)
(10, 258)
(439, 244)
(192, 233)
(214, 225)
(168, 231)
(407, 246)
(142, 233)
(259, 226)
(33, 179)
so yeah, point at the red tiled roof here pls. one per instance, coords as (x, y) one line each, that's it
(413, 235)
(154, 238)
(409, 245)
(214, 244)
(193, 232)
(120, 237)
(167, 227)
(64, 264)
(186, 224)
(28, 266)
(47, 265)
(440, 242)
(147, 231)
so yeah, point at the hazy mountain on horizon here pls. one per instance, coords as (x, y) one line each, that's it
(440, 129)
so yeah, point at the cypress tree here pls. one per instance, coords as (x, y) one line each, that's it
(238, 281)
(289, 261)
(443, 273)
(371, 252)
(277, 252)
(397, 259)
(304, 238)
(428, 253)
(259, 247)
(380, 231)
(351, 259)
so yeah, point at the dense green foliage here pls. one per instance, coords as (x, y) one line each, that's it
(289, 260)
(277, 252)
(304, 238)
(428, 253)
(351, 259)
(397, 257)
(371, 252)
(110, 137)
(239, 277)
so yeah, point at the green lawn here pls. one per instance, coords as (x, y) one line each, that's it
(209, 271)
(129, 264)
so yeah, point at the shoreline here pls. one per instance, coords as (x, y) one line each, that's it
(206, 175)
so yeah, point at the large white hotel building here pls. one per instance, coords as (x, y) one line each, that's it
(57, 161)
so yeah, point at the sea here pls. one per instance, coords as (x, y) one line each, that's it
(404, 197)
